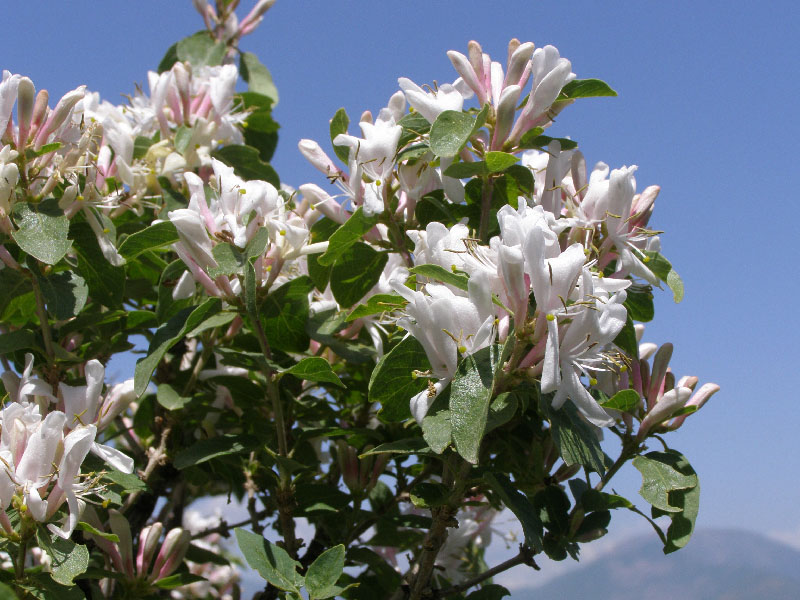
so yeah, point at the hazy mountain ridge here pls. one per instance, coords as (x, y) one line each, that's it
(717, 564)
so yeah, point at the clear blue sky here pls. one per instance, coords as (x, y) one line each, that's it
(707, 107)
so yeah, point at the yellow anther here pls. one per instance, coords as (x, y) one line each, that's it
(378, 182)
(23, 508)
(242, 191)
(268, 269)
(106, 230)
(623, 368)
(592, 381)
(462, 349)
(646, 259)
(551, 317)
(453, 268)
(106, 502)
(282, 232)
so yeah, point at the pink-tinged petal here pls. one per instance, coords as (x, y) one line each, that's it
(666, 405)
(148, 542)
(517, 63)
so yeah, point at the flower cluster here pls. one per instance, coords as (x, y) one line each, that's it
(43, 446)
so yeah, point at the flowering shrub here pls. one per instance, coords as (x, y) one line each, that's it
(449, 334)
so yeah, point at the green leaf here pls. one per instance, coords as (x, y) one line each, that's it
(624, 400)
(15, 286)
(543, 141)
(339, 124)
(436, 427)
(497, 162)
(141, 145)
(247, 164)
(592, 500)
(167, 335)
(105, 281)
(502, 410)
(177, 580)
(348, 234)
(284, 314)
(217, 320)
(200, 50)
(662, 474)
(169, 398)
(450, 131)
(170, 58)
(682, 526)
(314, 368)
(257, 244)
(88, 528)
(261, 132)
(324, 572)
(626, 340)
(470, 393)
(438, 273)
(271, 561)
(68, 558)
(30, 153)
(587, 88)
(491, 591)
(662, 269)
(462, 170)
(6, 593)
(42, 230)
(639, 304)
(377, 304)
(407, 446)
(64, 293)
(321, 231)
(553, 506)
(229, 260)
(204, 450)
(429, 494)
(257, 76)
(356, 272)
(414, 126)
(129, 482)
(393, 383)
(150, 238)
(518, 504)
(183, 136)
(17, 340)
(575, 438)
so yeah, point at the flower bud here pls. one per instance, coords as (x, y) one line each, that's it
(172, 552)
(25, 99)
(148, 542)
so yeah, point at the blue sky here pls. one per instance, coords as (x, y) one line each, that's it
(707, 107)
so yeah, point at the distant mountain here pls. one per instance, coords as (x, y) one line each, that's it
(716, 565)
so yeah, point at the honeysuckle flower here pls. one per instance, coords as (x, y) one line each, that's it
(549, 74)
(621, 189)
(9, 176)
(374, 153)
(446, 325)
(581, 350)
(431, 104)
(76, 446)
(83, 405)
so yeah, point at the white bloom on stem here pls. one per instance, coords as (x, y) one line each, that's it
(580, 351)
(446, 325)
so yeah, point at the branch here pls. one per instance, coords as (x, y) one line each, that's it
(524, 557)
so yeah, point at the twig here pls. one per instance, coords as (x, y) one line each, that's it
(224, 528)
(157, 456)
(525, 557)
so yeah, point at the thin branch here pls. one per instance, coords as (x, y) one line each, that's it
(524, 557)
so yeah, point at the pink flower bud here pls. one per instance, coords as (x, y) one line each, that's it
(148, 542)
(666, 405)
(25, 100)
(172, 552)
